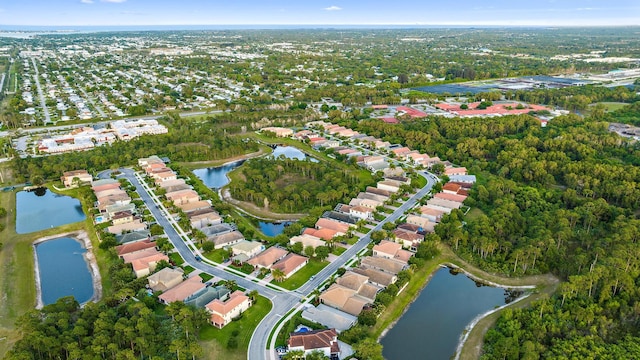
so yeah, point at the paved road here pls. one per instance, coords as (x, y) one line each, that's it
(2, 81)
(95, 106)
(283, 301)
(184, 250)
(43, 103)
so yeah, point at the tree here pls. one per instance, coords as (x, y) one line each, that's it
(208, 246)
(278, 275)
(294, 355)
(322, 252)
(368, 349)
(378, 236)
(297, 247)
(368, 317)
(309, 251)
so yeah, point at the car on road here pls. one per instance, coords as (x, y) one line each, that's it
(198, 258)
(281, 350)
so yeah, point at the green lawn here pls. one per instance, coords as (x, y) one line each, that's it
(337, 250)
(299, 278)
(205, 277)
(188, 269)
(176, 258)
(217, 255)
(245, 326)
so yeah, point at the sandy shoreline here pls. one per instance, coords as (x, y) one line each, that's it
(474, 322)
(83, 238)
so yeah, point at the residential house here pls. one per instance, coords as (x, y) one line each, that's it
(135, 225)
(451, 197)
(344, 299)
(175, 182)
(360, 284)
(71, 178)
(451, 188)
(424, 223)
(194, 206)
(164, 176)
(222, 312)
(206, 217)
(134, 247)
(182, 290)
(248, 248)
(391, 250)
(325, 341)
(183, 196)
(361, 212)
(390, 266)
(202, 297)
(307, 240)
(334, 225)
(324, 234)
(432, 214)
(444, 204)
(153, 159)
(379, 192)
(98, 188)
(390, 185)
(329, 317)
(466, 181)
(290, 264)
(165, 279)
(122, 217)
(227, 239)
(455, 171)
(279, 131)
(268, 257)
(377, 277)
(134, 236)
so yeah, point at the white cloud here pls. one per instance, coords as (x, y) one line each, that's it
(86, 1)
(113, 1)
(333, 8)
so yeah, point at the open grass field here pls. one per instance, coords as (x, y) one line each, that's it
(243, 327)
(302, 276)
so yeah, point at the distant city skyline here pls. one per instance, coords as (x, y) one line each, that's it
(314, 12)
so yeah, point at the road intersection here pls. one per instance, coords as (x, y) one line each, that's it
(283, 300)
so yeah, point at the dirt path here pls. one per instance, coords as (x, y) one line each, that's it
(213, 163)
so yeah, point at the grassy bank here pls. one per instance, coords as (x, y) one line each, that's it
(213, 163)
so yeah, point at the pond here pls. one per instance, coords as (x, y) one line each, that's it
(63, 270)
(434, 322)
(216, 177)
(42, 209)
(272, 228)
(291, 152)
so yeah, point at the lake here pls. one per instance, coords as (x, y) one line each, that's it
(272, 229)
(216, 177)
(42, 209)
(434, 322)
(63, 270)
(291, 152)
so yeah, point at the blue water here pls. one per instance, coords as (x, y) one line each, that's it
(272, 229)
(434, 322)
(216, 177)
(63, 270)
(42, 209)
(290, 152)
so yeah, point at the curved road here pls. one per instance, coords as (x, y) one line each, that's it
(283, 300)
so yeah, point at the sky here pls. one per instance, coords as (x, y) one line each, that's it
(314, 12)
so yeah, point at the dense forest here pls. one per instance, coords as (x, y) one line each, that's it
(127, 330)
(291, 185)
(186, 141)
(561, 199)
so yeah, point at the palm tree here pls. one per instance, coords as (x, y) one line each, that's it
(278, 275)
(230, 284)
